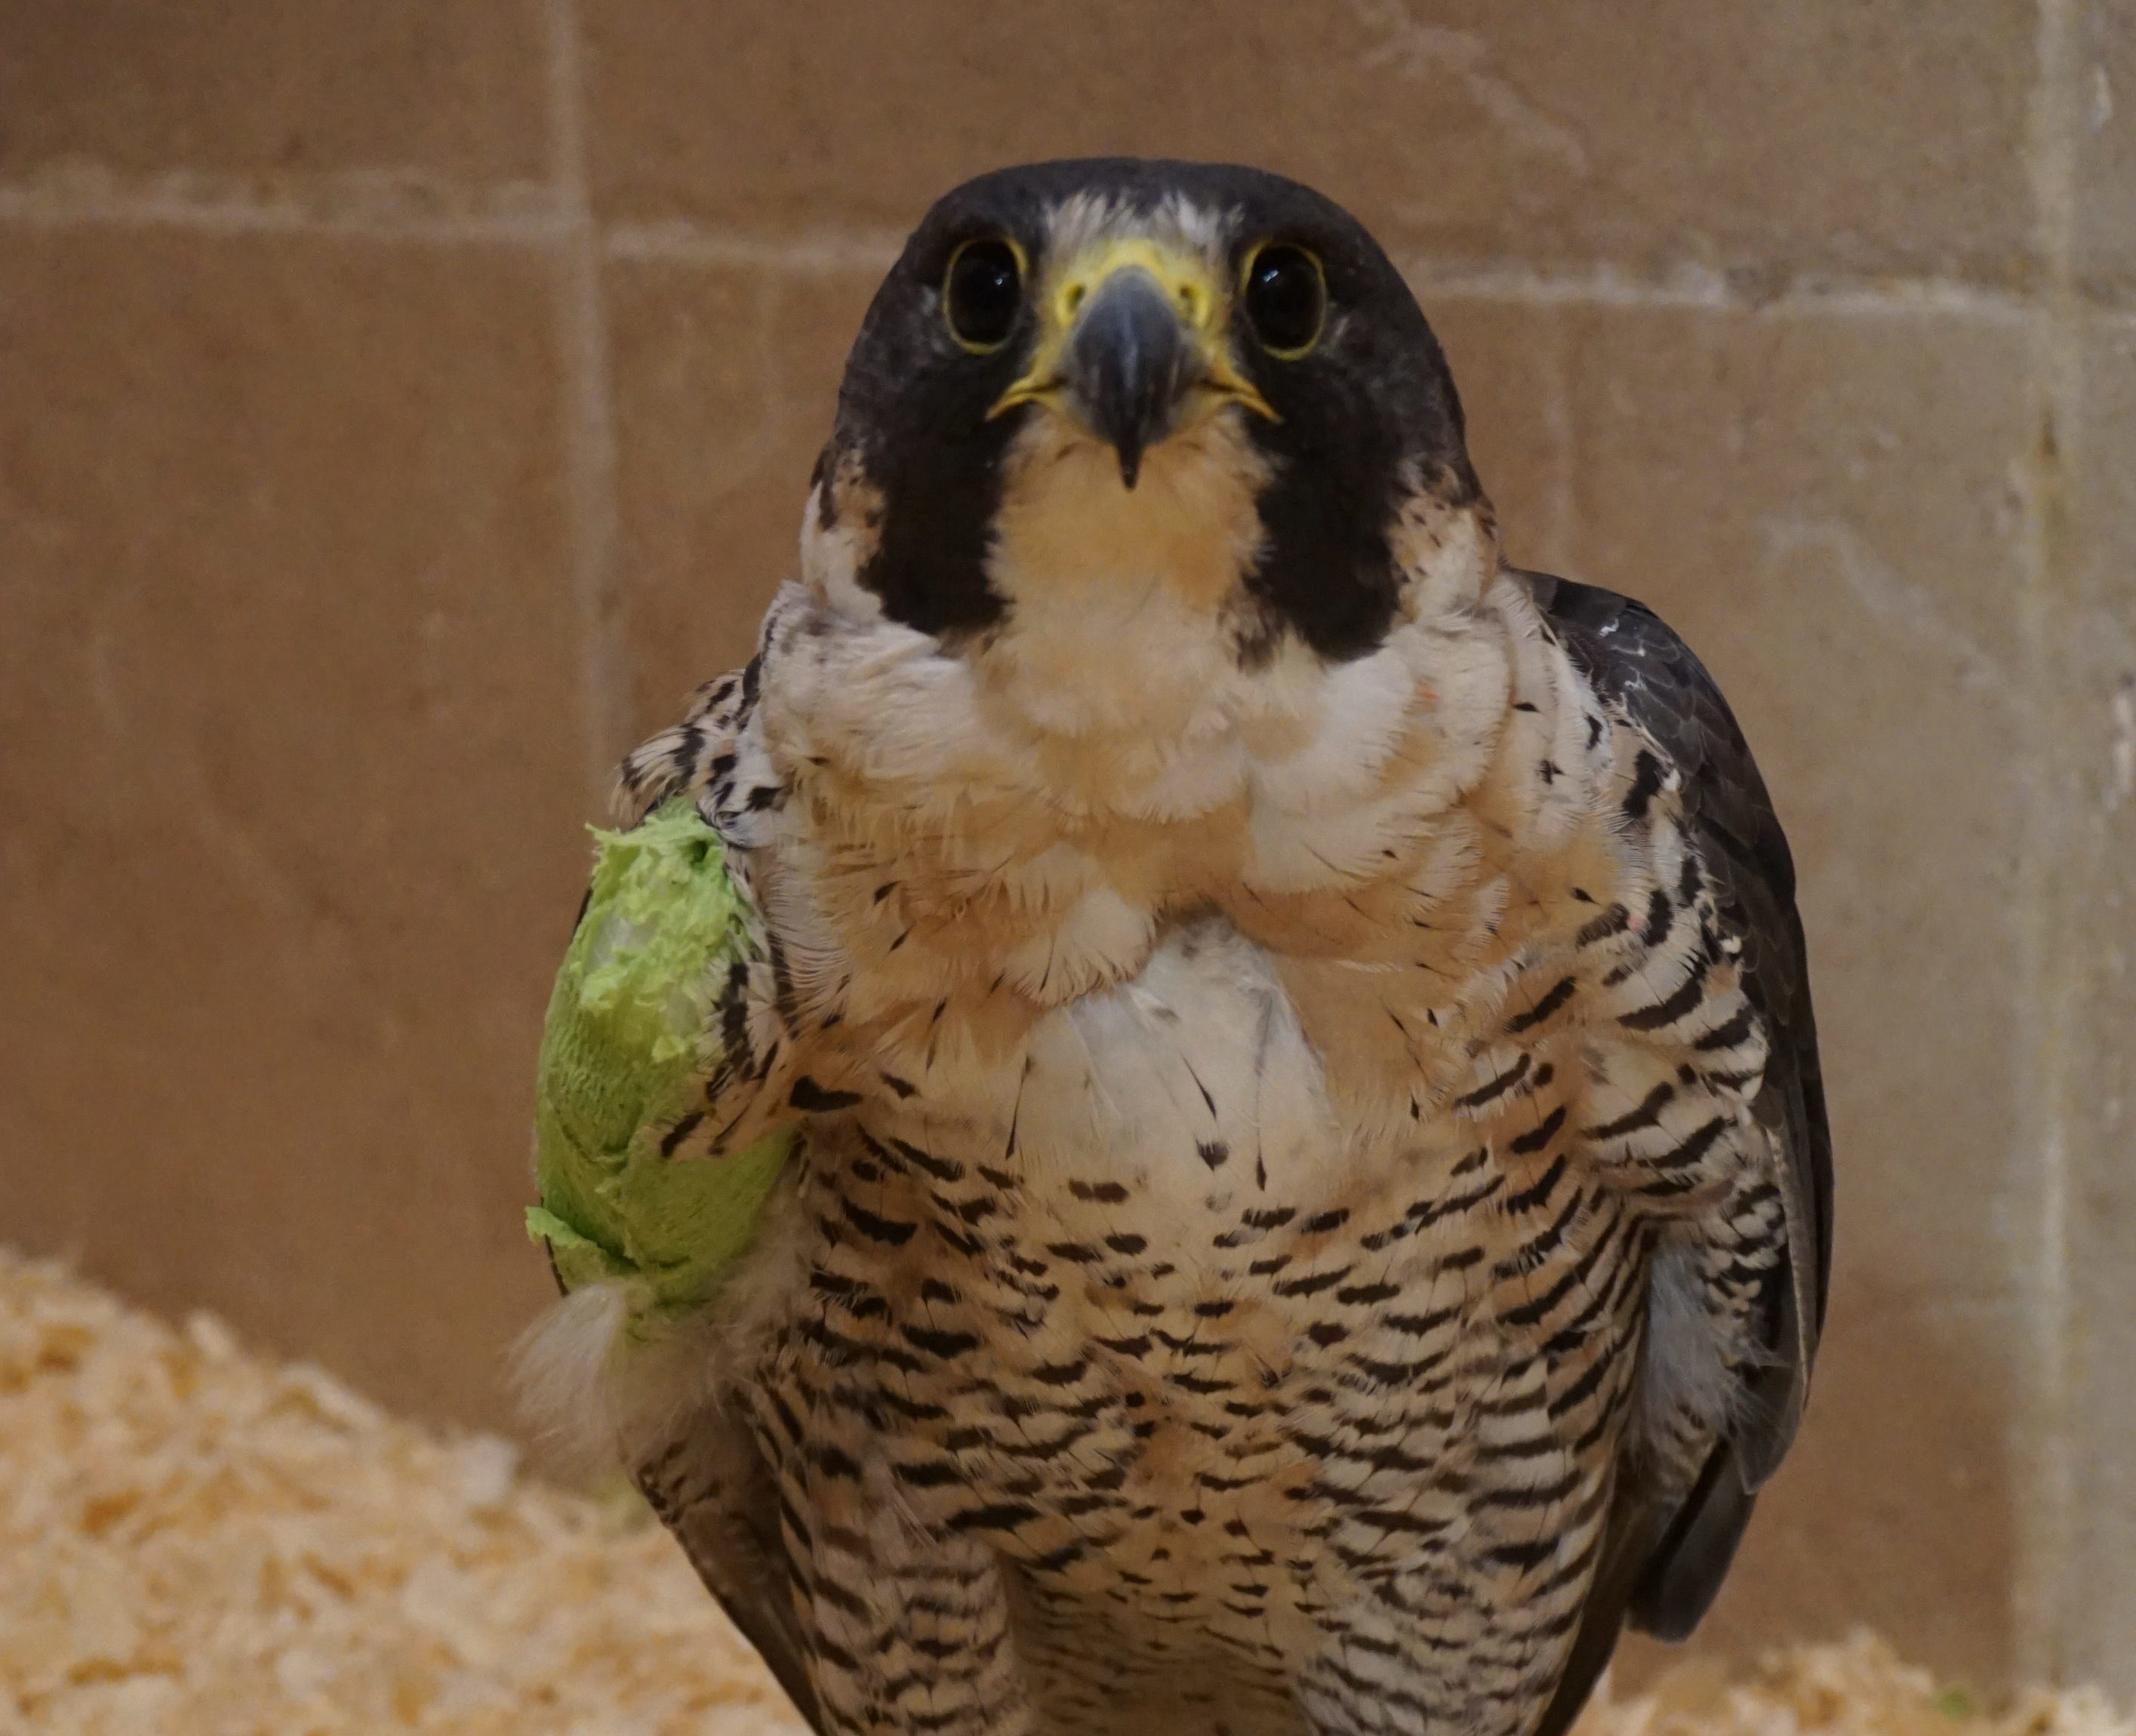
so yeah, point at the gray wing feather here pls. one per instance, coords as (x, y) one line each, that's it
(712, 1489)
(1662, 1566)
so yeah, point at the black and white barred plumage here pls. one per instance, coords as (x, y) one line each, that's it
(1312, 1202)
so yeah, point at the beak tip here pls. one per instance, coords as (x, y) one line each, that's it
(1128, 360)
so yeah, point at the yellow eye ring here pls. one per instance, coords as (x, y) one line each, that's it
(983, 292)
(1284, 289)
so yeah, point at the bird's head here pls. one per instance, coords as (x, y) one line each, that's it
(1118, 374)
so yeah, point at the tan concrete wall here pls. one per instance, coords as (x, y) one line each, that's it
(402, 402)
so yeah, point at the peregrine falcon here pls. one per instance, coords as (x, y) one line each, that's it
(1310, 1205)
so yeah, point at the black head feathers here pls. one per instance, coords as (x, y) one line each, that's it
(1137, 299)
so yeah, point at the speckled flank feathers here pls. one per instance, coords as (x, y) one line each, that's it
(1305, 1221)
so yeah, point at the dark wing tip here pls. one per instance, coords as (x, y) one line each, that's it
(1684, 1573)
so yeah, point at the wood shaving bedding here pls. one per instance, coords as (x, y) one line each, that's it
(195, 1540)
(1856, 1687)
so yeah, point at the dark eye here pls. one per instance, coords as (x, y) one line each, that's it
(1286, 299)
(981, 293)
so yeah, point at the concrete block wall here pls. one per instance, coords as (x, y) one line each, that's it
(403, 402)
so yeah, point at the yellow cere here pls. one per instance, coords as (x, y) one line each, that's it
(1202, 299)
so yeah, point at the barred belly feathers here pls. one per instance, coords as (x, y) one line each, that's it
(1309, 1211)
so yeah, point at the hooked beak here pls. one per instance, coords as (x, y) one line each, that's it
(1129, 361)
(1132, 345)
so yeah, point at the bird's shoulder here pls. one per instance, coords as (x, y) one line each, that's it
(1639, 663)
(716, 753)
(1666, 1558)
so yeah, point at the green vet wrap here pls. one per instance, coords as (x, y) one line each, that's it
(628, 1045)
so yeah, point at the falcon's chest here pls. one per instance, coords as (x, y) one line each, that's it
(1241, 1143)
(1166, 1312)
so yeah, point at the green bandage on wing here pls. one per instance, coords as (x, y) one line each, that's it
(630, 1041)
